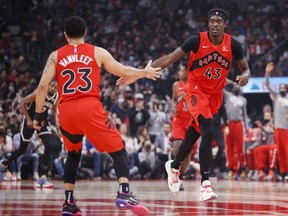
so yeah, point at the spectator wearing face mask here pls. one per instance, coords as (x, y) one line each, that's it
(280, 102)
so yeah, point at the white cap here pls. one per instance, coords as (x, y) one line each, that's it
(139, 96)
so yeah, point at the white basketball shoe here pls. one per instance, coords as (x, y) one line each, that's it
(206, 192)
(173, 177)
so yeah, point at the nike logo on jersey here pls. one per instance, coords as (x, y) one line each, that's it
(204, 47)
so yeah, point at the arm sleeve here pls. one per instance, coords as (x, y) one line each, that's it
(191, 44)
(237, 50)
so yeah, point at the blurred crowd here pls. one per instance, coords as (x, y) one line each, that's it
(133, 31)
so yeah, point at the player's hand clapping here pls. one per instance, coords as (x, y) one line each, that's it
(152, 73)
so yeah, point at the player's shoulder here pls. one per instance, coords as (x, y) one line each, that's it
(53, 55)
(100, 51)
(235, 42)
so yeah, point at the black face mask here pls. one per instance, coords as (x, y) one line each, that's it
(265, 121)
(236, 92)
(283, 93)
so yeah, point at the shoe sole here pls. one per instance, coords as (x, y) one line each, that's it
(213, 197)
(168, 170)
(71, 214)
(138, 210)
(43, 186)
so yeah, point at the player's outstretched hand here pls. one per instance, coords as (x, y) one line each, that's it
(153, 73)
(242, 79)
(125, 81)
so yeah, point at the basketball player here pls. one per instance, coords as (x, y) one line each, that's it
(211, 55)
(28, 108)
(76, 67)
(181, 117)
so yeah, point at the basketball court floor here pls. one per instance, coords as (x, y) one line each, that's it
(96, 197)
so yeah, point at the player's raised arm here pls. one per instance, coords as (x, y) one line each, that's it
(268, 71)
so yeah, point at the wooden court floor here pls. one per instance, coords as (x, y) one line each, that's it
(96, 197)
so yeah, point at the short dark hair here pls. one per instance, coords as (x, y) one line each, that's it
(219, 12)
(75, 27)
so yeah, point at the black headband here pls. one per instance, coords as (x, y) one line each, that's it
(218, 13)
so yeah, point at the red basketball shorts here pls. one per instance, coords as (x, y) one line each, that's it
(86, 116)
(179, 127)
(202, 103)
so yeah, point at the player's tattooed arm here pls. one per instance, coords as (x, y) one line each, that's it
(51, 62)
(47, 76)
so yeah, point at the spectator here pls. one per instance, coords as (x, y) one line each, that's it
(90, 155)
(147, 159)
(119, 108)
(6, 147)
(138, 115)
(156, 120)
(29, 157)
(162, 142)
(131, 145)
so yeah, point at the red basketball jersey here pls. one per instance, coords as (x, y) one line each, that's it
(181, 106)
(208, 68)
(77, 72)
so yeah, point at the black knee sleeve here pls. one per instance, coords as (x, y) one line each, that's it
(121, 163)
(207, 128)
(71, 166)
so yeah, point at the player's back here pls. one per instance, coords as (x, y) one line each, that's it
(77, 72)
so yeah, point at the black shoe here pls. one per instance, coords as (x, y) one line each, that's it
(128, 201)
(181, 186)
(70, 209)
